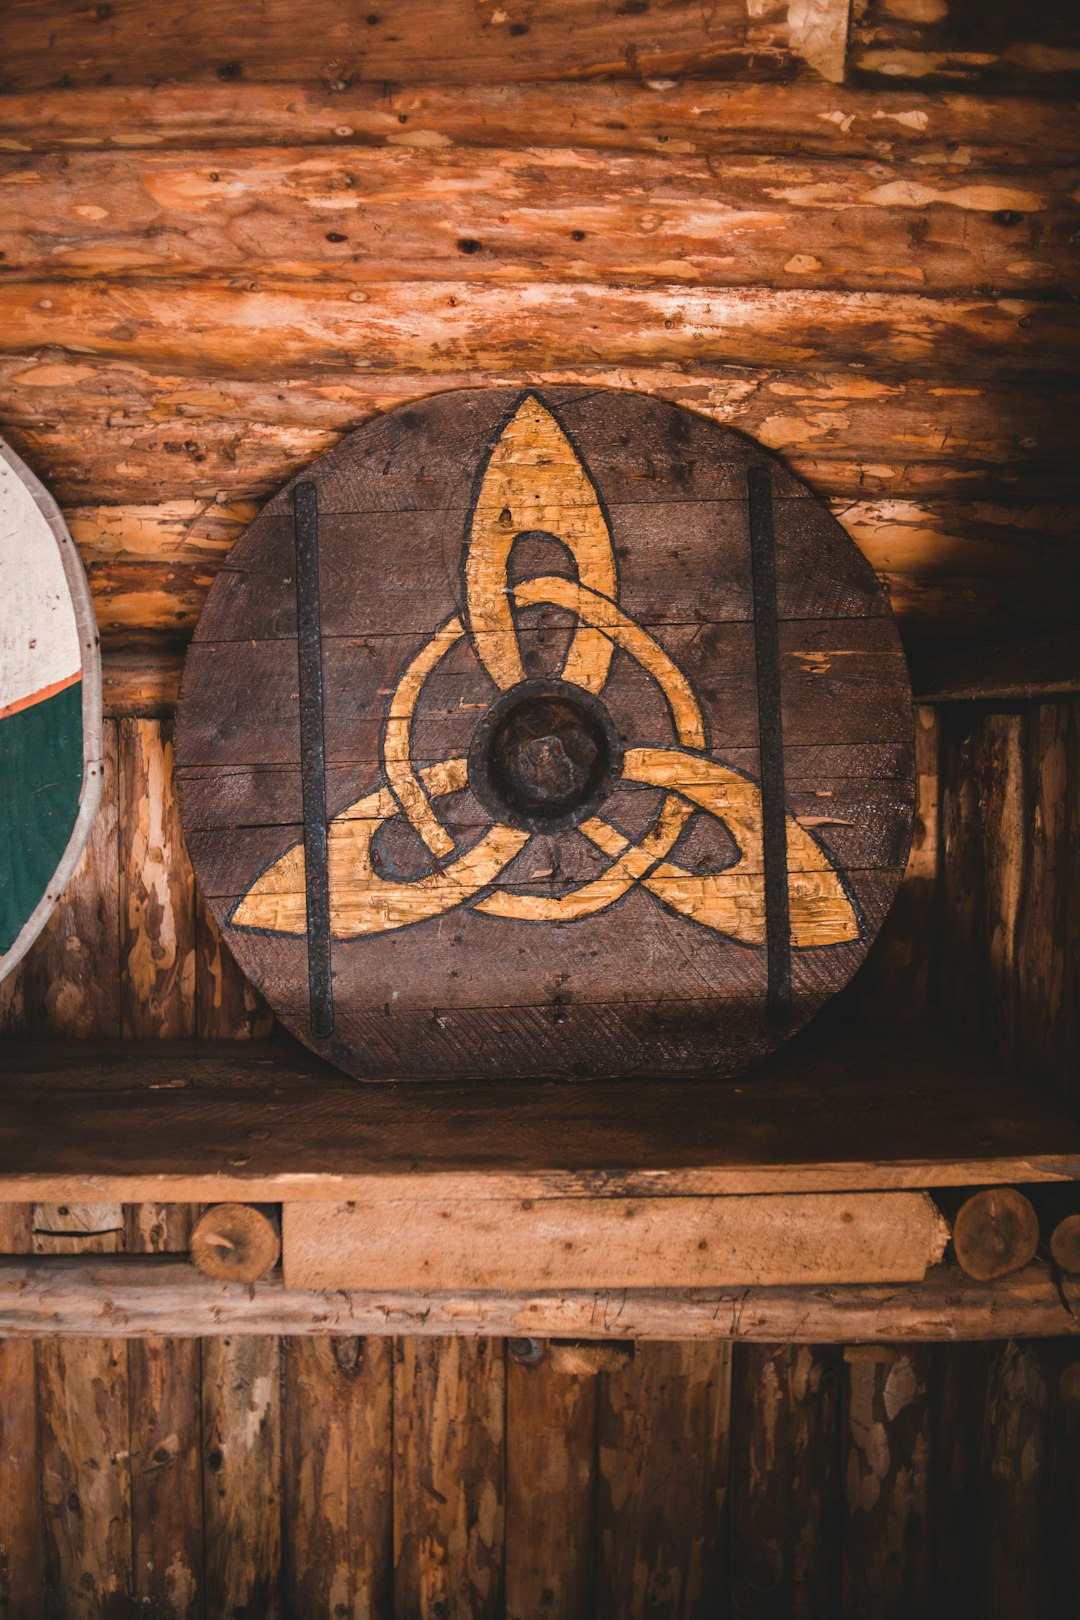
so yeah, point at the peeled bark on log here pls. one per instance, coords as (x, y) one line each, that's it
(323, 325)
(377, 214)
(995, 1231)
(684, 117)
(236, 1242)
(441, 42)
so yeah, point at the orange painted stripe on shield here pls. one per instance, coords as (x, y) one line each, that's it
(40, 695)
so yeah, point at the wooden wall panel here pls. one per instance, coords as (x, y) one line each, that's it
(886, 1483)
(1010, 858)
(551, 1479)
(662, 1505)
(242, 1477)
(785, 1484)
(338, 1524)
(449, 1478)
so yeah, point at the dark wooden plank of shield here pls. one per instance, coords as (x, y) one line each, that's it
(771, 743)
(313, 759)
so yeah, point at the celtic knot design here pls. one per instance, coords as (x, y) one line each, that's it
(535, 482)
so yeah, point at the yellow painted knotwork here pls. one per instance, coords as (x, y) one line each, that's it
(534, 480)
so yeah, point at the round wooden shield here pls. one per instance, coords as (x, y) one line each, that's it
(50, 708)
(546, 732)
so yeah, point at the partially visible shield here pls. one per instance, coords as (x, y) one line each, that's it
(50, 708)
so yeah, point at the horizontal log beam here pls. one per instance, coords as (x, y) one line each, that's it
(804, 117)
(442, 42)
(1037, 667)
(335, 327)
(571, 216)
(132, 1297)
(111, 431)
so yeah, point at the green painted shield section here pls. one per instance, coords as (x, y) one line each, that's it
(41, 772)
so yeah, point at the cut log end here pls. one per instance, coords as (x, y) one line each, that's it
(236, 1243)
(1065, 1244)
(995, 1232)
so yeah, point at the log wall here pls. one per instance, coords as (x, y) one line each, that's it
(224, 246)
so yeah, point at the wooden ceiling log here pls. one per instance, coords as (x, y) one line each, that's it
(243, 328)
(375, 214)
(442, 42)
(803, 117)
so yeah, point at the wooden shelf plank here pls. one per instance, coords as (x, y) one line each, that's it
(269, 1123)
(1035, 668)
(133, 1296)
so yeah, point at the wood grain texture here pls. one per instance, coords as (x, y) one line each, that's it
(551, 1476)
(21, 1552)
(620, 1243)
(131, 1297)
(337, 1402)
(449, 1478)
(800, 117)
(663, 1427)
(785, 1523)
(242, 1475)
(321, 326)
(454, 43)
(886, 1475)
(166, 1474)
(157, 891)
(368, 213)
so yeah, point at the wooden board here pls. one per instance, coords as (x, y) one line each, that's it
(50, 709)
(546, 732)
(128, 1297)
(613, 1243)
(132, 1122)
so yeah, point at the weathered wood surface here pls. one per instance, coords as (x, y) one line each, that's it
(242, 1478)
(886, 1475)
(179, 1125)
(452, 42)
(1009, 879)
(325, 325)
(551, 1477)
(449, 1477)
(129, 1296)
(561, 1243)
(801, 117)
(83, 1437)
(663, 491)
(574, 216)
(156, 891)
(164, 1405)
(663, 1437)
(337, 1408)
(785, 1518)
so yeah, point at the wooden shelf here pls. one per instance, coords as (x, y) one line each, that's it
(132, 1297)
(269, 1123)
